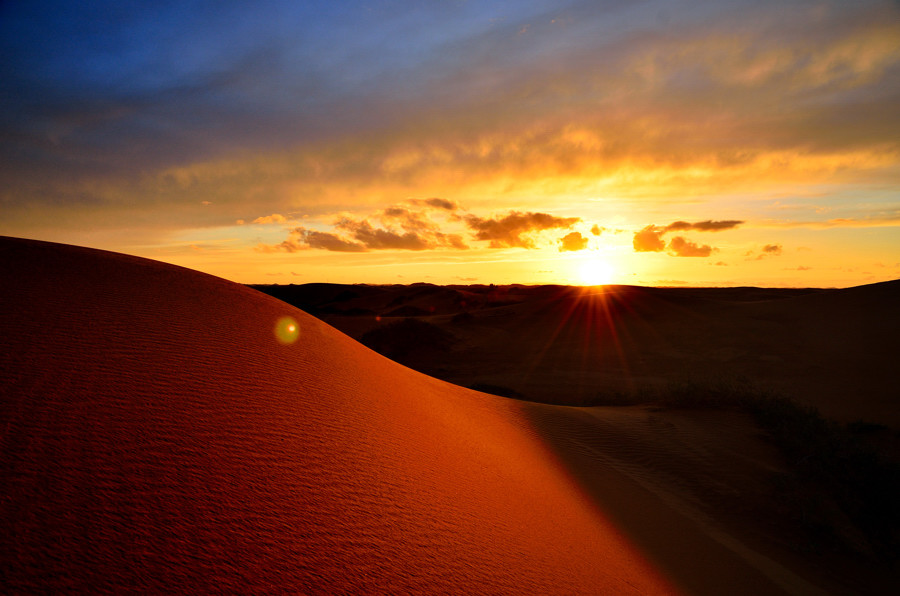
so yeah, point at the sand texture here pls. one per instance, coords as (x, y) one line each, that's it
(157, 436)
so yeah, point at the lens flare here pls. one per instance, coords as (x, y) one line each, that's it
(287, 330)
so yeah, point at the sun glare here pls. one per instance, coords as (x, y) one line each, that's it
(595, 272)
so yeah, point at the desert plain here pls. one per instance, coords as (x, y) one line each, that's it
(165, 430)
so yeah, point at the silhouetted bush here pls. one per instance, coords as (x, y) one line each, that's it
(829, 461)
(826, 458)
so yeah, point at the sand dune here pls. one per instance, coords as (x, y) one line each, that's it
(157, 436)
(159, 433)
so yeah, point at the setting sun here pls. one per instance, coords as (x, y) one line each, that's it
(595, 272)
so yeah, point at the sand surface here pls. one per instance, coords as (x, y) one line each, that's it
(157, 436)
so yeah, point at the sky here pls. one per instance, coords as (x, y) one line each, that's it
(721, 143)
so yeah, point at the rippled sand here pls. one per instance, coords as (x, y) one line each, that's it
(157, 435)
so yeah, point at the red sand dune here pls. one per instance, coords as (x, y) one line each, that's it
(156, 436)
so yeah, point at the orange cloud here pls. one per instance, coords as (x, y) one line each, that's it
(510, 231)
(268, 219)
(680, 247)
(301, 238)
(415, 238)
(572, 242)
(649, 239)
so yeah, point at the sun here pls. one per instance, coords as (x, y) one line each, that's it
(595, 272)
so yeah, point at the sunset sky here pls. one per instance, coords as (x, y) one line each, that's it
(731, 142)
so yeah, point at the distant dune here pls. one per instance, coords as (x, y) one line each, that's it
(832, 349)
(165, 430)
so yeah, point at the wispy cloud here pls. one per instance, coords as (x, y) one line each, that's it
(884, 219)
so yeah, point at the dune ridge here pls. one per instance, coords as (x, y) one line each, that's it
(156, 436)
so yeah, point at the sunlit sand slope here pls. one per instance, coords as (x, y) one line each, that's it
(156, 435)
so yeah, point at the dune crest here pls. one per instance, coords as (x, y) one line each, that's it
(157, 435)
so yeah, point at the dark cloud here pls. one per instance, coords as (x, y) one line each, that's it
(716, 226)
(350, 235)
(572, 242)
(680, 247)
(703, 226)
(649, 239)
(772, 249)
(678, 226)
(301, 239)
(509, 231)
(439, 203)
(382, 239)
(418, 232)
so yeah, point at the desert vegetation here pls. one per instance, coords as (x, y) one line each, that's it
(838, 477)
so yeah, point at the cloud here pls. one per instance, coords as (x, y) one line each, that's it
(269, 219)
(510, 231)
(417, 232)
(704, 226)
(680, 247)
(649, 239)
(382, 239)
(410, 221)
(597, 230)
(437, 203)
(887, 218)
(301, 238)
(572, 242)
(403, 228)
(769, 250)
